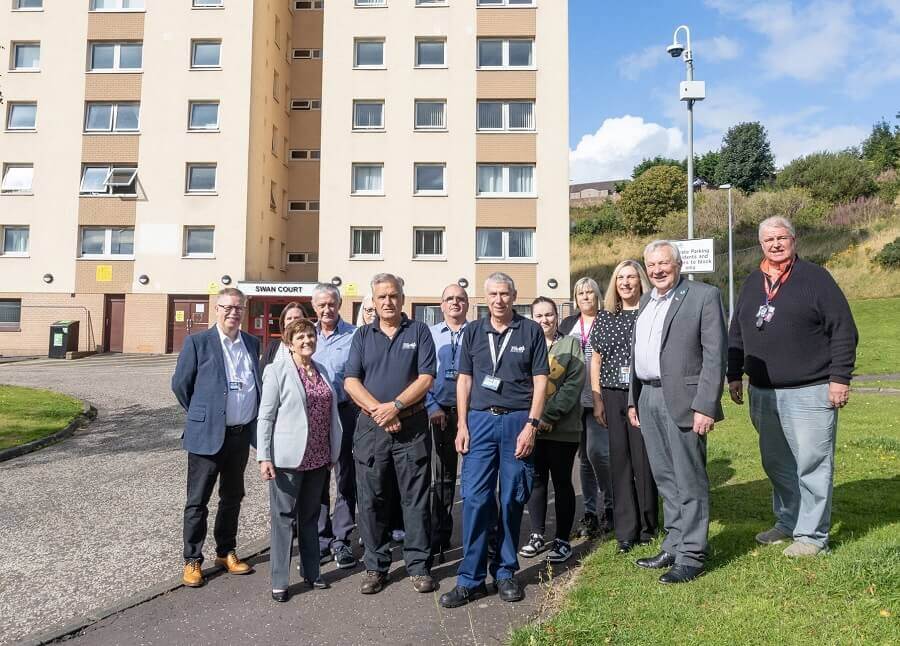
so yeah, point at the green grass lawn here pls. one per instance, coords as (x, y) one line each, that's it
(753, 594)
(877, 383)
(879, 343)
(28, 414)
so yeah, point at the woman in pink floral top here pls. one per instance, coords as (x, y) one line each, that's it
(299, 437)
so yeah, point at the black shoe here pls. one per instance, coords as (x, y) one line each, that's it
(646, 541)
(344, 558)
(509, 590)
(423, 583)
(681, 574)
(461, 595)
(661, 560)
(624, 547)
(372, 582)
(281, 596)
(325, 556)
(318, 584)
(588, 527)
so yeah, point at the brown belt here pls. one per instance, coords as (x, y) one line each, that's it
(405, 412)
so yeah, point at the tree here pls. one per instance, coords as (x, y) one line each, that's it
(647, 164)
(882, 146)
(833, 177)
(707, 166)
(647, 200)
(746, 160)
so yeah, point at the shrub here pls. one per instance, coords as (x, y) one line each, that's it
(597, 220)
(889, 256)
(858, 213)
(647, 199)
(795, 204)
(888, 185)
(831, 177)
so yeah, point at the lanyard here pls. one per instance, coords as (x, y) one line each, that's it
(455, 338)
(585, 337)
(230, 363)
(495, 357)
(773, 287)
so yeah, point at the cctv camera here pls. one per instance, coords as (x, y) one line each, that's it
(675, 50)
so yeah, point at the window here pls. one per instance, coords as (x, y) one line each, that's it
(431, 115)
(206, 54)
(427, 314)
(28, 5)
(504, 244)
(430, 53)
(10, 313)
(301, 257)
(109, 180)
(106, 242)
(273, 191)
(203, 115)
(117, 5)
(201, 178)
(17, 178)
(429, 243)
(303, 206)
(368, 53)
(307, 53)
(15, 240)
(505, 115)
(368, 115)
(105, 57)
(305, 155)
(112, 117)
(365, 243)
(276, 85)
(368, 179)
(505, 3)
(207, 4)
(275, 141)
(429, 179)
(370, 3)
(495, 179)
(21, 116)
(432, 3)
(198, 242)
(306, 104)
(26, 57)
(309, 4)
(505, 53)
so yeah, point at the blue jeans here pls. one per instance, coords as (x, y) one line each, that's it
(492, 448)
(797, 429)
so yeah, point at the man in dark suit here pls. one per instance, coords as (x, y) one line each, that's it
(217, 383)
(677, 378)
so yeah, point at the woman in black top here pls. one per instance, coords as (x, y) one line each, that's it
(634, 491)
(293, 311)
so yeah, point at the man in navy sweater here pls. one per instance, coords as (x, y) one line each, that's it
(793, 334)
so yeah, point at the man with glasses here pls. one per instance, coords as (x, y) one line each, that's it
(793, 334)
(217, 383)
(441, 403)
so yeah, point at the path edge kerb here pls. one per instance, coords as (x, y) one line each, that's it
(59, 632)
(87, 414)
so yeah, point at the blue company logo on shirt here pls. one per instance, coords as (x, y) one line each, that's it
(517, 348)
(409, 345)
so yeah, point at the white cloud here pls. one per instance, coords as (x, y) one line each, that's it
(716, 49)
(787, 145)
(633, 65)
(711, 50)
(619, 145)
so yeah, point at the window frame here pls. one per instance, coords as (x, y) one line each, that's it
(378, 255)
(4, 171)
(417, 192)
(192, 103)
(419, 128)
(430, 66)
(107, 253)
(17, 6)
(432, 3)
(376, 4)
(117, 57)
(312, 104)
(504, 54)
(307, 206)
(315, 5)
(304, 154)
(186, 252)
(506, 193)
(189, 166)
(427, 256)
(205, 41)
(505, 4)
(505, 257)
(111, 169)
(357, 42)
(14, 49)
(219, 4)
(15, 254)
(359, 128)
(315, 54)
(9, 115)
(363, 193)
(504, 115)
(119, 9)
(14, 326)
(113, 117)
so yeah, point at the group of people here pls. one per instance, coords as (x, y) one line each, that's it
(632, 382)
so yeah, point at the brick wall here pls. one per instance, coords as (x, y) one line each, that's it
(146, 323)
(40, 310)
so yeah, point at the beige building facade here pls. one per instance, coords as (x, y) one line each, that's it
(154, 152)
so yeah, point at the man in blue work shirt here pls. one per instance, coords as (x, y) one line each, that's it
(500, 391)
(332, 351)
(390, 369)
(441, 403)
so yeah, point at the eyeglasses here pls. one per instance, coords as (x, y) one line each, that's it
(369, 310)
(770, 241)
(232, 308)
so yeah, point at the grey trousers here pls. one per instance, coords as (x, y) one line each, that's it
(797, 430)
(593, 454)
(294, 495)
(678, 461)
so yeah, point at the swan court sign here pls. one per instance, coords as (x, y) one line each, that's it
(698, 256)
(276, 289)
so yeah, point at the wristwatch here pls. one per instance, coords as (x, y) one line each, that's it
(399, 404)
(535, 422)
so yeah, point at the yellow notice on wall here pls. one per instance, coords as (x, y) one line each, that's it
(179, 316)
(104, 273)
(351, 289)
(213, 289)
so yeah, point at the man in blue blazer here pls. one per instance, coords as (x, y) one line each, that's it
(217, 383)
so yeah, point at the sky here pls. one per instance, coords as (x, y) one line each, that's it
(817, 74)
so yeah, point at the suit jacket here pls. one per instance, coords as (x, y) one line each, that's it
(283, 424)
(692, 355)
(201, 386)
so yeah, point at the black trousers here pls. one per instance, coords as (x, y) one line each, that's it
(635, 499)
(446, 461)
(203, 470)
(335, 526)
(554, 460)
(409, 452)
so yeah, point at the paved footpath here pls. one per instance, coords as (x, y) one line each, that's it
(97, 518)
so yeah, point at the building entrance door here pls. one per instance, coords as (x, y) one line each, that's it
(114, 324)
(265, 313)
(187, 315)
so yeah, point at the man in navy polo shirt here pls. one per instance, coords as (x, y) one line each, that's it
(389, 371)
(502, 380)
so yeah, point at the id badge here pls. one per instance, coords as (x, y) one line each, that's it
(770, 312)
(491, 383)
(761, 312)
(625, 375)
(235, 385)
(450, 374)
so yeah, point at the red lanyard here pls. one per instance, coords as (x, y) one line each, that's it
(584, 337)
(772, 287)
